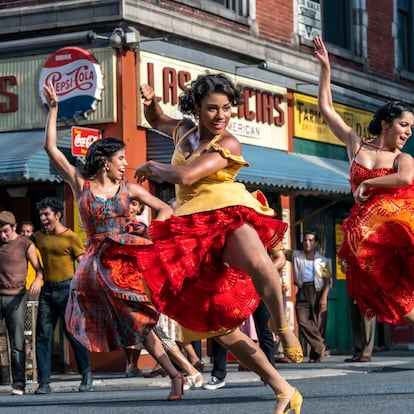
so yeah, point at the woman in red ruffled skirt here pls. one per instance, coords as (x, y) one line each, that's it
(379, 234)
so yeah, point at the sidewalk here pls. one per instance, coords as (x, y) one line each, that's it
(331, 366)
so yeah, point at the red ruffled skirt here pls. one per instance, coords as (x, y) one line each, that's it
(186, 276)
(379, 254)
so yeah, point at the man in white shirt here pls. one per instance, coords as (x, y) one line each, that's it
(312, 273)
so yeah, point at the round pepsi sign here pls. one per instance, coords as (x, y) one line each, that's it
(78, 81)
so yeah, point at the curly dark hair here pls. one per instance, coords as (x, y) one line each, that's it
(388, 112)
(54, 203)
(97, 154)
(205, 85)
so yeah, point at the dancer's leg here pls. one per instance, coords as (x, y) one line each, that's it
(154, 346)
(244, 250)
(190, 351)
(179, 358)
(250, 354)
(409, 318)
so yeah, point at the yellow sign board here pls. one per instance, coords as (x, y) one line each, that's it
(308, 123)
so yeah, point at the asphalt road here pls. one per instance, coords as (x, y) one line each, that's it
(384, 386)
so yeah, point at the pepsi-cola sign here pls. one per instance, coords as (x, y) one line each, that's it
(78, 81)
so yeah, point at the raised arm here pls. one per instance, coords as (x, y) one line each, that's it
(209, 162)
(65, 168)
(338, 126)
(154, 114)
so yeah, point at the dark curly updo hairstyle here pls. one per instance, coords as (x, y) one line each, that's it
(388, 112)
(98, 153)
(205, 85)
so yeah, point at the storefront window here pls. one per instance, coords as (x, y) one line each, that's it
(405, 21)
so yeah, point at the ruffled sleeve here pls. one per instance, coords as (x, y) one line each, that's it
(225, 153)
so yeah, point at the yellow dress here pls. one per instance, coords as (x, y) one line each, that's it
(183, 269)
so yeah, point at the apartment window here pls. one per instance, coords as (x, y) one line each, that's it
(240, 7)
(337, 23)
(331, 19)
(405, 21)
(238, 10)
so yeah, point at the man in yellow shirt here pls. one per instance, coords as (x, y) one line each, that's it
(60, 248)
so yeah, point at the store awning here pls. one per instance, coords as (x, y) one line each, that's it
(294, 173)
(23, 159)
(289, 173)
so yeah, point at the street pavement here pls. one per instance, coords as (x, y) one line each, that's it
(332, 366)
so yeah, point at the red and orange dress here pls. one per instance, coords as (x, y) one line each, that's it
(108, 308)
(379, 248)
(184, 270)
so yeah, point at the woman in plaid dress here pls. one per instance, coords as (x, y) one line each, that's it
(108, 308)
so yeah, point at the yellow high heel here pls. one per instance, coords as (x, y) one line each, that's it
(294, 404)
(295, 353)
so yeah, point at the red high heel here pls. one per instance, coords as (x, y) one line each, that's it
(177, 383)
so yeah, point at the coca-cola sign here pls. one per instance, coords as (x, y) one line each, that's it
(82, 139)
(78, 81)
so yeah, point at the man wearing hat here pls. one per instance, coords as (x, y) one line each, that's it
(15, 253)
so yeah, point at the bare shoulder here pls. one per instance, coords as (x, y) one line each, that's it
(231, 143)
(135, 190)
(404, 158)
(186, 125)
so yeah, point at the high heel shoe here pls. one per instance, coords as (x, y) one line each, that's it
(294, 404)
(295, 353)
(193, 381)
(199, 365)
(177, 388)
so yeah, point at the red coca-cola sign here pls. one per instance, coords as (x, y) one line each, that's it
(82, 139)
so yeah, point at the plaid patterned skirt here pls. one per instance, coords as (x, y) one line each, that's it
(104, 311)
(186, 276)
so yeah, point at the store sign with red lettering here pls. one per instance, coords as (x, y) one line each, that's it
(82, 139)
(78, 81)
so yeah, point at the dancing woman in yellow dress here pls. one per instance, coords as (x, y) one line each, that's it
(208, 267)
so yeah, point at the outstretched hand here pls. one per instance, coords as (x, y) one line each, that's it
(50, 95)
(147, 93)
(320, 51)
(362, 193)
(148, 171)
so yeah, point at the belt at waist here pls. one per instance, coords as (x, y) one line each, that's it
(308, 284)
(57, 284)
